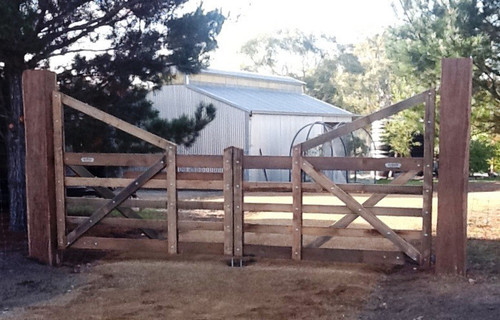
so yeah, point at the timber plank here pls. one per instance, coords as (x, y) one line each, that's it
(152, 224)
(154, 183)
(358, 233)
(364, 121)
(110, 159)
(129, 203)
(116, 122)
(267, 162)
(355, 256)
(314, 187)
(365, 163)
(267, 228)
(111, 182)
(200, 225)
(379, 211)
(120, 244)
(336, 163)
(200, 185)
(199, 161)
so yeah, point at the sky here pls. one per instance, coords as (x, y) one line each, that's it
(350, 21)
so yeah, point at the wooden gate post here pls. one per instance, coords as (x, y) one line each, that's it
(228, 202)
(238, 222)
(451, 240)
(40, 179)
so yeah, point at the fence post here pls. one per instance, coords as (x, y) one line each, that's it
(429, 133)
(40, 177)
(297, 203)
(172, 230)
(228, 202)
(238, 202)
(451, 241)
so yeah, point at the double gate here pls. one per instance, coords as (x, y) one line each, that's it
(120, 218)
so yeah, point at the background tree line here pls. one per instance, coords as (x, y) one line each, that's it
(402, 61)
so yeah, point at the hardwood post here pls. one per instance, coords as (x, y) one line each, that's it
(228, 202)
(40, 175)
(59, 168)
(456, 88)
(172, 230)
(297, 202)
(427, 192)
(238, 202)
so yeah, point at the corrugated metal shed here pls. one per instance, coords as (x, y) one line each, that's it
(264, 101)
(258, 113)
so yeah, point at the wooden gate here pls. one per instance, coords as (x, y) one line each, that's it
(117, 221)
(71, 230)
(164, 172)
(408, 167)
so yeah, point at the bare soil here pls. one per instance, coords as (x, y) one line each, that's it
(140, 286)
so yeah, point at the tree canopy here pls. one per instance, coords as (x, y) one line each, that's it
(145, 38)
(404, 60)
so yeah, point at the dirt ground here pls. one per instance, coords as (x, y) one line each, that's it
(118, 286)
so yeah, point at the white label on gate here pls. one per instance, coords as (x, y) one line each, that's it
(87, 159)
(393, 165)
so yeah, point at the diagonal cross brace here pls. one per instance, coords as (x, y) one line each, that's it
(116, 201)
(355, 206)
(366, 120)
(345, 221)
(107, 193)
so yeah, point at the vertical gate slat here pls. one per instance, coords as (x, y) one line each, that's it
(58, 120)
(228, 202)
(238, 202)
(297, 203)
(172, 231)
(429, 122)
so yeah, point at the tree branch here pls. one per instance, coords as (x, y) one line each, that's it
(110, 17)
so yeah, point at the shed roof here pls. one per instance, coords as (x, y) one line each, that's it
(262, 101)
(254, 76)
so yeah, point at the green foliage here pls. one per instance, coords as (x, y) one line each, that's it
(314, 59)
(481, 154)
(436, 29)
(368, 89)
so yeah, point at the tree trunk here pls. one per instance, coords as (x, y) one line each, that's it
(16, 154)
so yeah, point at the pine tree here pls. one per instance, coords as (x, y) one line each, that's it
(152, 35)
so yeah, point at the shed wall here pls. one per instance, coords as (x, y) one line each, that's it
(229, 127)
(273, 135)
